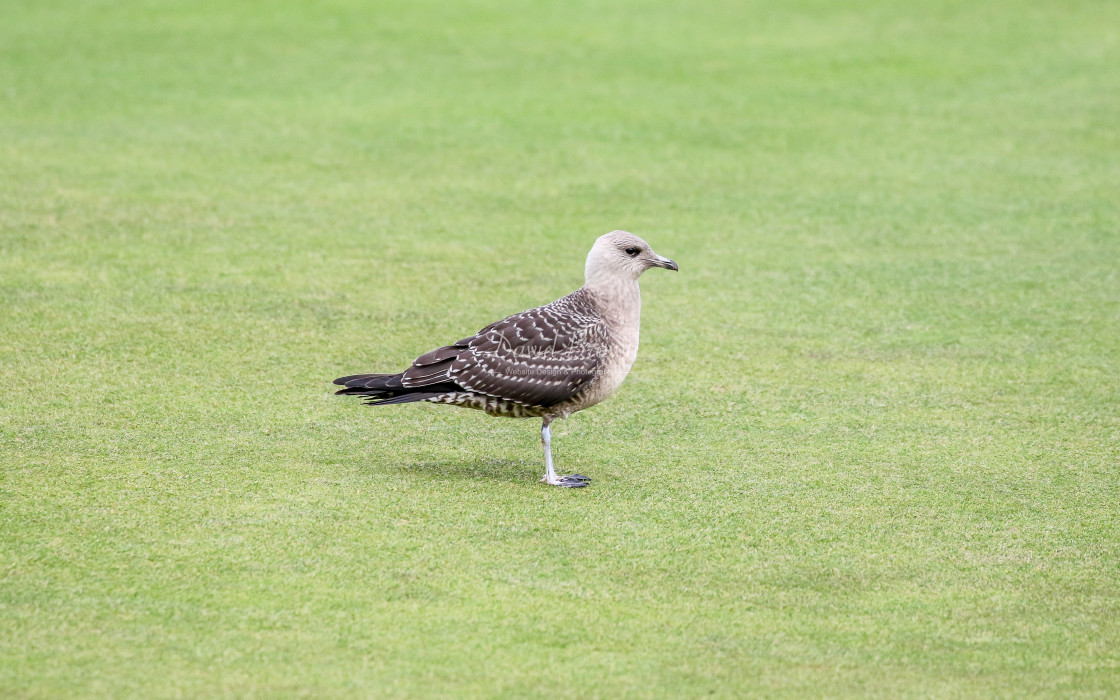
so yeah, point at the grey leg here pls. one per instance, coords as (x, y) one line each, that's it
(573, 481)
(546, 439)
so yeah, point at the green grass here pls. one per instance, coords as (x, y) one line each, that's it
(870, 446)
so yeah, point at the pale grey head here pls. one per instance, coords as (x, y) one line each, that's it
(620, 255)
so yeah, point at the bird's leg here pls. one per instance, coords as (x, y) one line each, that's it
(573, 481)
(546, 440)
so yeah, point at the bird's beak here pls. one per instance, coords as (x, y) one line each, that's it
(665, 263)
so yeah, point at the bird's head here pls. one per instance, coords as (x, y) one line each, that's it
(621, 255)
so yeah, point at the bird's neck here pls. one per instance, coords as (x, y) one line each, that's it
(620, 300)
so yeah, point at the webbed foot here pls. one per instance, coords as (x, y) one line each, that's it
(571, 481)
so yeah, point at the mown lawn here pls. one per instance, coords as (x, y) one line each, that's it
(870, 447)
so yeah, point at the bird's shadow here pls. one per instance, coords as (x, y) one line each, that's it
(510, 471)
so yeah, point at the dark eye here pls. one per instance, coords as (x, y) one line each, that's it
(633, 252)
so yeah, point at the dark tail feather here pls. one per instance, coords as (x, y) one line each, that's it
(371, 381)
(401, 398)
(386, 389)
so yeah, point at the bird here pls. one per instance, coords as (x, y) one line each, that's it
(547, 362)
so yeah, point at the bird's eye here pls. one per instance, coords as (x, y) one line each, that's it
(633, 252)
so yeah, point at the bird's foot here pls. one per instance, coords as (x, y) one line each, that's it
(571, 481)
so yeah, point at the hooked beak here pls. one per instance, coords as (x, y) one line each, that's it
(665, 263)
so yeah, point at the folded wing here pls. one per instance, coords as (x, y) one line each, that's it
(539, 357)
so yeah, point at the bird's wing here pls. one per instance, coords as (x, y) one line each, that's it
(538, 357)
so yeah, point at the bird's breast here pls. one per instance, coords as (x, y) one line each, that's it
(617, 361)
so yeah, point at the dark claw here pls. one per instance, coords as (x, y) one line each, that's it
(580, 477)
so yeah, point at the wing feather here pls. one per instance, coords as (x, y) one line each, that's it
(540, 357)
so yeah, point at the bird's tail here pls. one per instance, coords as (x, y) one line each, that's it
(385, 389)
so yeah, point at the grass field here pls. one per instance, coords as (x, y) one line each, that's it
(870, 446)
